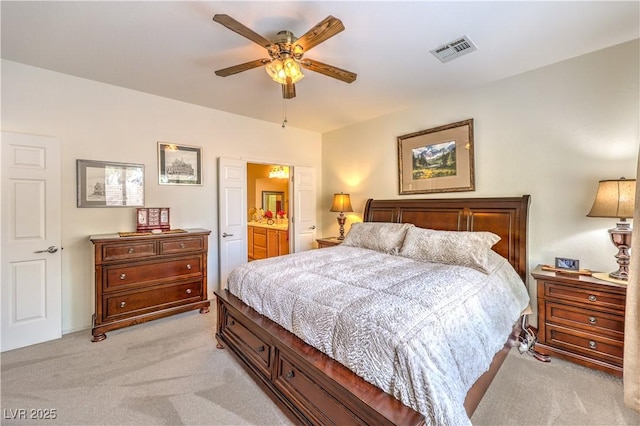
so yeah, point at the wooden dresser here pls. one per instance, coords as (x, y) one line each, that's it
(581, 319)
(143, 278)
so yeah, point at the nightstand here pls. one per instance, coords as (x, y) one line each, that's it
(581, 319)
(328, 242)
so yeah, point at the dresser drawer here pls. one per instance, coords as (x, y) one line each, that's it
(130, 250)
(585, 319)
(590, 345)
(260, 352)
(130, 304)
(322, 407)
(595, 298)
(117, 277)
(181, 245)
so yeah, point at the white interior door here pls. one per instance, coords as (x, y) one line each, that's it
(232, 212)
(31, 258)
(304, 204)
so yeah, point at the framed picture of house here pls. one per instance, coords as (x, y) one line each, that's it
(109, 184)
(437, 160)
(179, 164)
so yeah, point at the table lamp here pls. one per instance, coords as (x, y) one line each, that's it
(616, 198)
(341, 203)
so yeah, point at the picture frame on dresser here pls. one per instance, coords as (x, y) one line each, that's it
(440, 159)
(179, 164)
(109, 184)
(568, 264)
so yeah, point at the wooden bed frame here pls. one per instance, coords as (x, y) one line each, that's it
(311, 387)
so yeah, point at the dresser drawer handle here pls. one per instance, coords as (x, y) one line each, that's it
(189, 266)
(592, 298)
(122, 304)
(123, 276)
(592, 344)
(592, 320)
(188, 291)
(290, 374)
(260, 348)
(182, 245)
(132, 250)
(231, 322)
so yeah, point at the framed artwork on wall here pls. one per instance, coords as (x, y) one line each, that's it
(109, 184)
(179, 164)
(437, 160)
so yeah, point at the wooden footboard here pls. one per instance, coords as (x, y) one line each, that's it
(308, 385)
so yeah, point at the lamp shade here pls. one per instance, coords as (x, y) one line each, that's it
(341, 203)
(615, 198)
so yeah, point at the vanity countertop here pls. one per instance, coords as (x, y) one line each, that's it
(284, 226)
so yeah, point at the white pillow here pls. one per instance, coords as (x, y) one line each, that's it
(450, 247)
(384, 237)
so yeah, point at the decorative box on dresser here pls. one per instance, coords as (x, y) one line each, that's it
(142, 278)
(581, 319)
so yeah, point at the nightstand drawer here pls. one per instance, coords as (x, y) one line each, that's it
(591, 345)
(595, 298)
(589, 320)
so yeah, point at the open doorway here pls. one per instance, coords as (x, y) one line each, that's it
(233, 212)
(268, 210)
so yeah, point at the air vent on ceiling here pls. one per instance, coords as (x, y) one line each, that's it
(454, 49)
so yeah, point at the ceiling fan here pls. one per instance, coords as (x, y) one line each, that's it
(286, 53)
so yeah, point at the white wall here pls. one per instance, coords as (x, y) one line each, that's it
(96, 121)
(552, 133)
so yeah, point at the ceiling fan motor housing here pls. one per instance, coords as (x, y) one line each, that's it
(283, 46)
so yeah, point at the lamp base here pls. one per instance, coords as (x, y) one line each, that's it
(621, 238)
(341, 220)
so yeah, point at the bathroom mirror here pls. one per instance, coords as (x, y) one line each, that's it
(273, 201)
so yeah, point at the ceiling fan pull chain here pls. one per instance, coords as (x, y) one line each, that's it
(284, 113)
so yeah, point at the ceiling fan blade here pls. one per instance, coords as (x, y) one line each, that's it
(289, 89)
(239, 28)
(330, 70)
(323, 30)
(241, 67)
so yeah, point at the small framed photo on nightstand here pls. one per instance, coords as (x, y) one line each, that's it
(568, 264)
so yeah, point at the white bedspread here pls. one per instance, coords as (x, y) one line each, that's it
(422, 332)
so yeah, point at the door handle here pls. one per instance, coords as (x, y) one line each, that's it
(224, 235)
(51, 249)
(312, 227)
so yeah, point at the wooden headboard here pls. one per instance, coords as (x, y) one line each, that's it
(505, 217)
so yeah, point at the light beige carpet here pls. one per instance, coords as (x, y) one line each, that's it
(169, 372)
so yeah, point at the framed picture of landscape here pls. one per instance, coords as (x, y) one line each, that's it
(437, 160)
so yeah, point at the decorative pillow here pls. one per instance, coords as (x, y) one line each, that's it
(450, 247)
(384, 237)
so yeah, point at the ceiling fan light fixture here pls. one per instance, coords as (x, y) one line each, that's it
(279, 70)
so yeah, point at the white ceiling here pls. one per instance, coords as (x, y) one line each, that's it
(172, 49)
